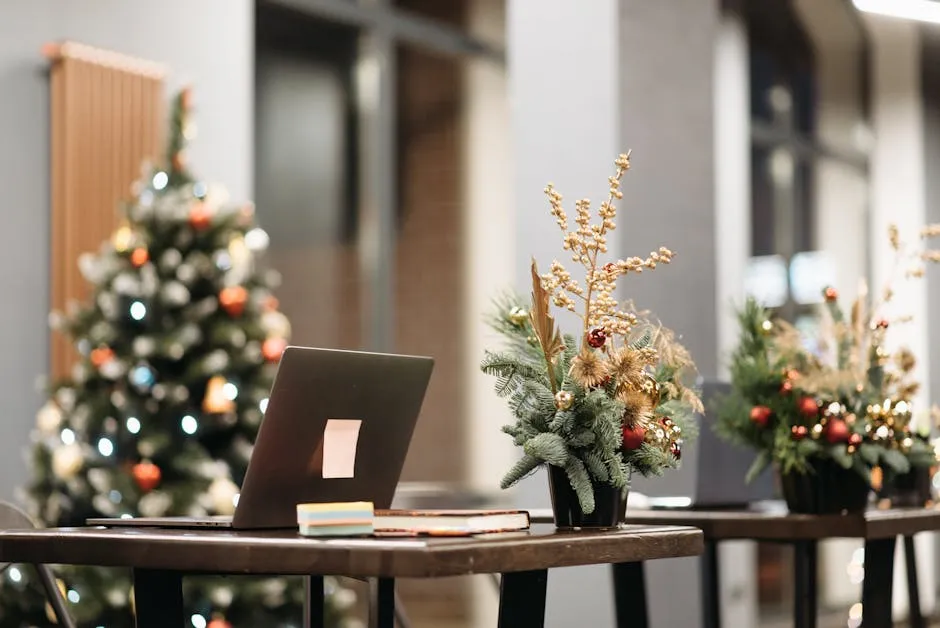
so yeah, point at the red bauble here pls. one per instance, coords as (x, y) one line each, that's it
(830, 294)
(837, 431)
(233, 299)
(139, 257)
(597, 338)
(199, 216)
(633, 437)
(761, 415)
(799, 432)
(808, 407)
(676, 451)
(786, 387)
(147, 475)
(101, 356)
(855, 439)
(273, 348)
(218, 622)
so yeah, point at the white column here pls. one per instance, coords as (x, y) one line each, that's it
(738, 560)
(489, 228)
(898, 196)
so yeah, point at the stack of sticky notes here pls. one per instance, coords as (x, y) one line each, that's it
(336, 519)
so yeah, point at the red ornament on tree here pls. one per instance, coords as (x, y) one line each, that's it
(855, 439)
(199, 216)
(101, 356)
(808, 407)
(830, 294)
(597, 338)
(799, 432)
(139, 257)
(760, 415)
(219, 622)
(633, 436)
(273, 348)
(837, 431)
(786, 387)
(147, 475)
(233, 299)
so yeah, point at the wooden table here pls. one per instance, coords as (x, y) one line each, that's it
(879, 529)
(160, 559)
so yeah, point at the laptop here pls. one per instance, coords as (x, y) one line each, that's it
(336, 429)
(719, 466)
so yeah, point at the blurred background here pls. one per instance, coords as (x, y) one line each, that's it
(397, 151)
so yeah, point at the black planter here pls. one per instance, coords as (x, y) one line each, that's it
(828, 490)
(908, 490)
(610, 504)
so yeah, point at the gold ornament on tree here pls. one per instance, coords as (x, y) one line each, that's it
(216, 401)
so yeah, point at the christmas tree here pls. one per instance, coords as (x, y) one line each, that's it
(177, 350)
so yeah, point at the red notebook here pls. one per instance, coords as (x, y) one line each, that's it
(449, 522)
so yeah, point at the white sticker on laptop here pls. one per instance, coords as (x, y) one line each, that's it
(340, 441)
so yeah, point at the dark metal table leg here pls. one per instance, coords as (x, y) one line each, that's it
(313, 609)
(876, 588)
(804, 584)
(382, 603)
(158, 597)
(63, 618)
(522, 599)
(711, 589)
(630, 595)
(913, 593)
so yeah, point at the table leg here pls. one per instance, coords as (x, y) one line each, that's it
(382, 603)
(313, 608)
(711, 586)
(522, 599)
(158, 598)
(876, 588)
(55, 597)
(804, 584)
(913, 593)
(630, 595)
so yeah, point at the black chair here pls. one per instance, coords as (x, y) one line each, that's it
(12, 518)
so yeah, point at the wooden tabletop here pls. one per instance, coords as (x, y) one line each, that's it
(286, 553)
(778, 525)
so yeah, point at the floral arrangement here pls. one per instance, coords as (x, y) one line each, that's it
(613, 400)
(846, 398)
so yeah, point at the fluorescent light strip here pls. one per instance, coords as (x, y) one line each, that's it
(919, 10)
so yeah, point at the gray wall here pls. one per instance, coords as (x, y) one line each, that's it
(589, 80)
(207, 43)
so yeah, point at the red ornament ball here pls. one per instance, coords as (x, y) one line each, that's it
(761, 415)
(855, 439)
(830, 294)
(139, 257)
(218, 622)
(199, 216)
(799, 432)
(233, 299)
(147, 475)
(633, 436)
(837, 431)
(597, 338)
(808, 407)
(273, 348)
(101, 356)
(676, 451)
(786, 387)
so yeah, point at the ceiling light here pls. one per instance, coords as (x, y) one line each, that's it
(920, 10)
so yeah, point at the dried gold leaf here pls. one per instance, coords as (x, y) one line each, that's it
(543, 323)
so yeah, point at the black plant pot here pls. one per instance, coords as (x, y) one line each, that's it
(907, 490)
(829, 489)
(610, 504)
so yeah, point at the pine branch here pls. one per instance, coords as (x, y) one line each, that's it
(548, 447)
(522, 468)
(581, 483)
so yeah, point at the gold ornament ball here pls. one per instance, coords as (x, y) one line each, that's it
(563, 399)
(518, 316)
